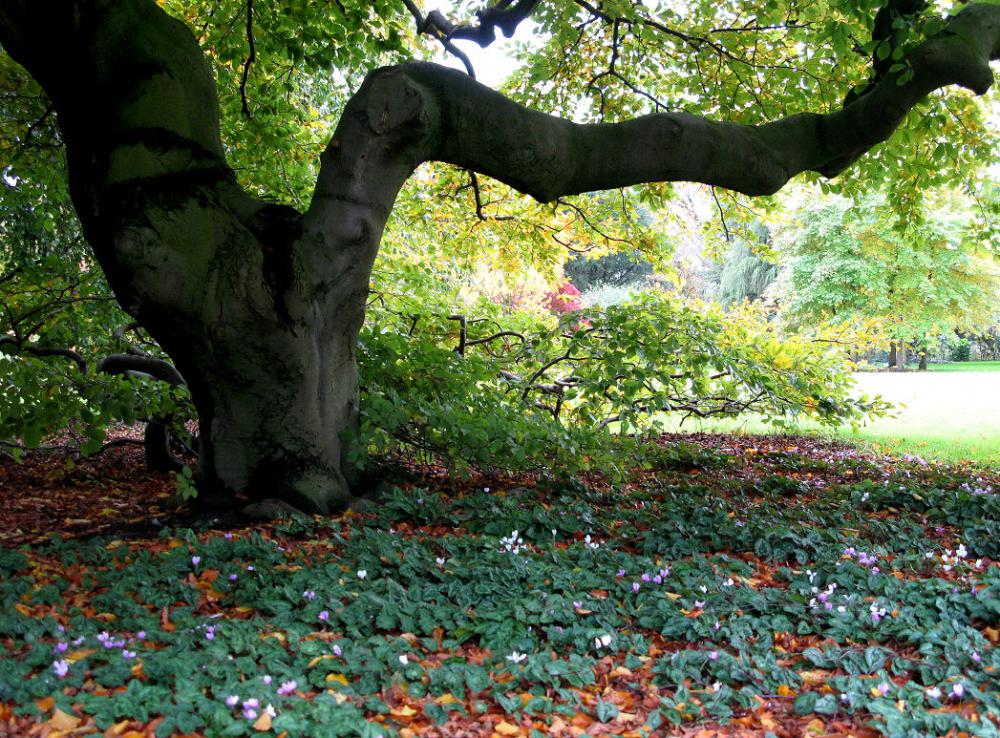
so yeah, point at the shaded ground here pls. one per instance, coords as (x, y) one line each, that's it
(746, 586)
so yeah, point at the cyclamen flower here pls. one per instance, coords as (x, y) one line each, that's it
(309, 595)
(249, 713)
(620, 574)
(232, 700)
(266, 679)
(717, 686)
(251, 703)
(362, 573)
(976, 657)
(516, 657)
(210, 633)
(337, 651)
(602, 641)
(287, 688)
(324, 615)
(713, 655)
(195, 560)
(635, 586)
(404, 659)
(233, 577)
(126, 654)
(60, 668)
(440, 561)
(61, 647)
(958, 691)
(934, 693)
(884, 688)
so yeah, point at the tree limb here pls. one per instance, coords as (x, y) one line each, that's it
(155, 368)
(471, 126)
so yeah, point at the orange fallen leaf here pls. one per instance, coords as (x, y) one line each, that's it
(63, 721)
(785, 691)
(45, 704)
(263, 723)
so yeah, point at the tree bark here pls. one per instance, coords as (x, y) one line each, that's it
(260, 306)
(901, 356)
(892, 355)
(922, 367)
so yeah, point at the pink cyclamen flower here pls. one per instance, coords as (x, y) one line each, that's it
(324, 615)
(635, 586)
(60, 668)
(233, 700)
(195, 560)
(958, 691)
(287, 688)
(126, 654)
(337, 651)
(266, 679)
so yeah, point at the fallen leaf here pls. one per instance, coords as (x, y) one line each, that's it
(63, 721)
(505, 728)
(263, 722)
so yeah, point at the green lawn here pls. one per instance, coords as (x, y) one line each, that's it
(939, 415)
(966, 366)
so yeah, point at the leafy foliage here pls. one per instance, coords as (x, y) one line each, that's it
(514, 393)
(854, 263)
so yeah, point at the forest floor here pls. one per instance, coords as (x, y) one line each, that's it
(745, 586)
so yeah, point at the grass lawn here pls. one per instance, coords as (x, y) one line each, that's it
(940, 415)
(966, 366)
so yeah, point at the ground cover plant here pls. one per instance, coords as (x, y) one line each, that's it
(737, 586)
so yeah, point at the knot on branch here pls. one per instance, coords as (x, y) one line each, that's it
(394, 101)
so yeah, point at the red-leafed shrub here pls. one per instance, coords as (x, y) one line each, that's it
(564, 300)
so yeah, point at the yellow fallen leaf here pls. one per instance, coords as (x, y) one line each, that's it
(318, 659)
(814, 677)
(338, 697)
(263, 722)
(339, 678)
(45, 704)
(63, 721)
(673, 595)
(402, 712)
(448, 699)
(785, 691)
(505, 728)
(23, 609)
(75, 656)
(816, 726)
(117, 729)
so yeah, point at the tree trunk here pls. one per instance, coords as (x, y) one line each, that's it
(901, 356)
(923, 362)
(892, 355)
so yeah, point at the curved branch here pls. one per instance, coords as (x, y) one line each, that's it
(22, 347)
(471, 126)
(155, 368)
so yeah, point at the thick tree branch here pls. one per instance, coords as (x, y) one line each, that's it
(471, 126)
(155, 368)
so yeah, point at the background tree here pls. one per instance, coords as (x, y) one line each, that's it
(260, 303)
(853, 263)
